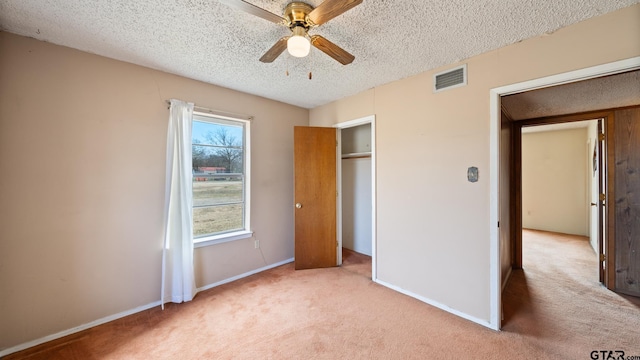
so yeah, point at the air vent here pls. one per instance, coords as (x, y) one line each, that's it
(450, 79)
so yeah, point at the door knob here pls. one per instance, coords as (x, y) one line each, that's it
(298, 205)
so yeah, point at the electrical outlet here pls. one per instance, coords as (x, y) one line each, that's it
(256, 244)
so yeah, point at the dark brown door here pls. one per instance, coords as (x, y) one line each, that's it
(506, 220)
(600, 201)
(625, 169)
(315, 197)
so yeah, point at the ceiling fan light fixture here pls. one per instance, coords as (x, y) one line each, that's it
(298, 44)
(301, 17)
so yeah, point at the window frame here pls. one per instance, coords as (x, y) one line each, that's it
(246, 232)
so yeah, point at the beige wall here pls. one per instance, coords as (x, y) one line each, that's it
(555, 181)
(433, 231)
(82, 164)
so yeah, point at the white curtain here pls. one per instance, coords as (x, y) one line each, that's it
(178, 283)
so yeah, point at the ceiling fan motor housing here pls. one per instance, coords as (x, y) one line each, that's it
(297, 13)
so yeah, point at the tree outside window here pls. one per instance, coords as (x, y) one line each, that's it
(219, 176)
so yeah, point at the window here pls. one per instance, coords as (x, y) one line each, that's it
(220, 148)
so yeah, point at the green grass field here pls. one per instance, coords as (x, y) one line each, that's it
(214, 219)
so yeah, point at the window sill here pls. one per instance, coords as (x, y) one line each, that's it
(223, 238)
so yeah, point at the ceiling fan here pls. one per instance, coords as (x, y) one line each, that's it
(300, 17)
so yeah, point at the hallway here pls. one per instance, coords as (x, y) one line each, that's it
(557, 300)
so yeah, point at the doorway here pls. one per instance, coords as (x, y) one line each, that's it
(502, 224)
(615, 161)
(560, 171)
(356, 188)
(318, 194)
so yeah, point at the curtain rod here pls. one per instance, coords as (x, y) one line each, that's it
(219, 113)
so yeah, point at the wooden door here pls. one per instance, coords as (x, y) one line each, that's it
(625, 169)
(506, 219)
(602, 264)
(315, 197)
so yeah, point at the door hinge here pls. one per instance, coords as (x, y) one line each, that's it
(336, 243)
(602, 197)
(602, 257)
(601, 137)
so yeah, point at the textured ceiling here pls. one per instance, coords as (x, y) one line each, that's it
(589, 95)
(211, 42)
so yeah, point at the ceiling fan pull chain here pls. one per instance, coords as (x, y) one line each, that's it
(287, 71)
(310, 65)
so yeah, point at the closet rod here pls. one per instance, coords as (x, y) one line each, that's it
(356, 155)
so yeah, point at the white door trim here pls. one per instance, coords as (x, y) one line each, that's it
(371, 119)
(494, 160)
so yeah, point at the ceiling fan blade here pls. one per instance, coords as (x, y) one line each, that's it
(330, 9)
(332, 50)
(254, 10)
(275, 50)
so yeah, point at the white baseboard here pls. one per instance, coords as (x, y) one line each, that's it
(109, 318)
(440, 306)
(238, 277)
(76, 329)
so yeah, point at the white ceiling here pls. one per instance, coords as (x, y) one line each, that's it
(208, 41)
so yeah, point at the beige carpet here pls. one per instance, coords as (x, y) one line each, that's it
(556, 311)
(557, 302)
